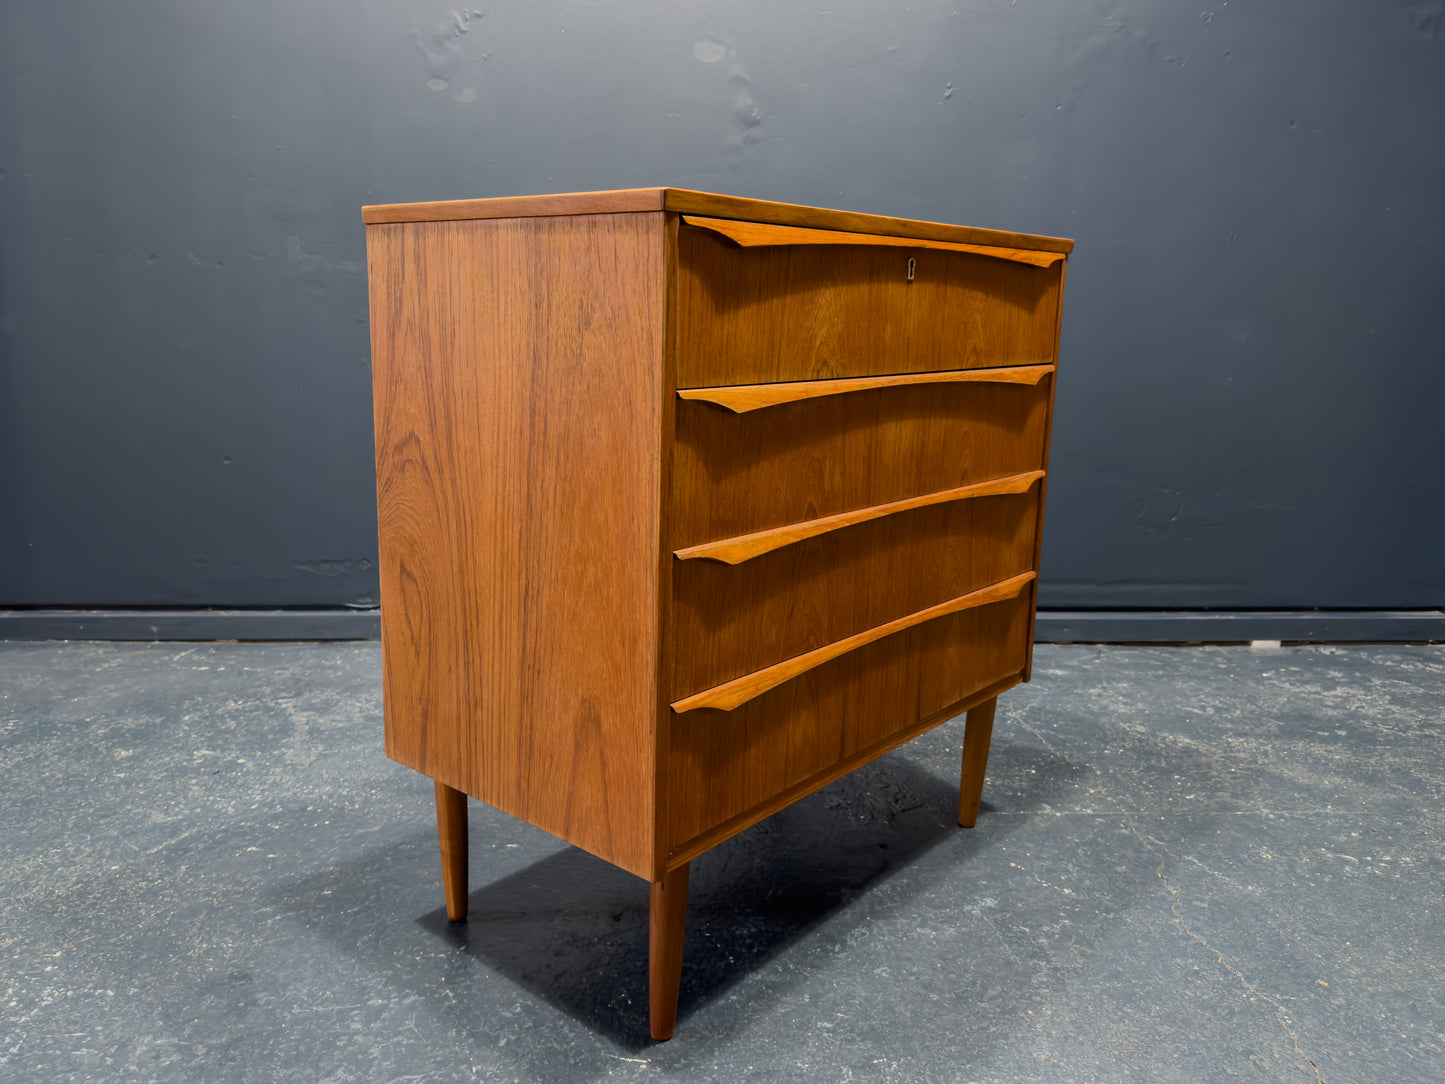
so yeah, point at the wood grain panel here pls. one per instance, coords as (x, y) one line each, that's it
(698, 844)
(744, 398)
(517, 368)
(1043, 486)
(734, 474)
(733, 694)
(729, 621)
(735, 551)
(762, 315)
(752, 234)
(726, 769)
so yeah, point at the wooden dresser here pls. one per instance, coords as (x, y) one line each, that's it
(691, 504)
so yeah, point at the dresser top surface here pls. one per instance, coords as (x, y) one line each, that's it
(684, 201)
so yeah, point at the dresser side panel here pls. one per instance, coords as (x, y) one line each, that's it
(517, 367)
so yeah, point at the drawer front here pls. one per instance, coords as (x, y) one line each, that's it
(727, 769)
(816, 311)
(739, 473)
(733, 619)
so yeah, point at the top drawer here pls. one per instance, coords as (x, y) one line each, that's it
(785, 306)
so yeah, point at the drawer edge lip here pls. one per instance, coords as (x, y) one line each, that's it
(743, 548)
(744, 398)
(737, 692)
(686, 201)
(689, 849)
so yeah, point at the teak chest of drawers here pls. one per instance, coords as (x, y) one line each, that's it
(689, 505)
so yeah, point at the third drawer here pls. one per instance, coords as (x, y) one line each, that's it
(730, 620)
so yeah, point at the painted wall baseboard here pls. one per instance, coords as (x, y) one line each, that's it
(186, 625)
(1053, 626)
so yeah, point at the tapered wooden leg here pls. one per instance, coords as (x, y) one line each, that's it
(977, 731)
(452, 831)
(667, 921)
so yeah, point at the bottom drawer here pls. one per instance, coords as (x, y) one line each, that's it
(726, 769)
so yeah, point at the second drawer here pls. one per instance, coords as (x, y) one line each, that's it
(732, 620)
(738, 473)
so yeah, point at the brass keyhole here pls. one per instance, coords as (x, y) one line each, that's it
(910, 269)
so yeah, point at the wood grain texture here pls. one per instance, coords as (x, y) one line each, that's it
(619, 201)
(517, 368)
(728, 769)
(753, 234)
(749, 397)
(666, 936)
(735, 693)
(705, 841)
(978, 732)
(1043, 486)
(732, 621)
(810, 312)
(737, 474)
(735, 551)
(452, 835)
(702, 203)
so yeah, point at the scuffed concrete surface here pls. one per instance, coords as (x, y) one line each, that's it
(1192, 863)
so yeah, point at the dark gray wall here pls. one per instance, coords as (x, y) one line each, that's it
(1248, 413)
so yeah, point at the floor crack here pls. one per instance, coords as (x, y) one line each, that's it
(1279, 1010)
(1043, 740)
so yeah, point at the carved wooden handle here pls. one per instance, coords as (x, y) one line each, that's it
(745, 397)
(754, 234)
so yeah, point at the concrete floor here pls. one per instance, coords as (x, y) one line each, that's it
(1192, 864)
